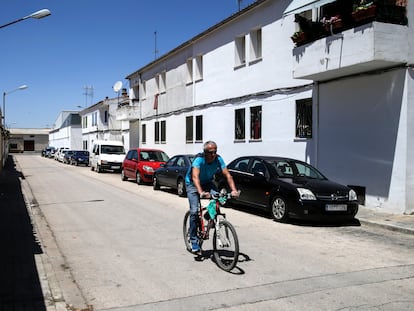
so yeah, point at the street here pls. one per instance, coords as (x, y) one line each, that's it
(119, 246)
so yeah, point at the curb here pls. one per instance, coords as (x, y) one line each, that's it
(387, 226)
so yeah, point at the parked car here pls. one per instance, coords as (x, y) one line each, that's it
(66, 156)
(61, 155)
(49, 152)
(172, 173)
(79, 157)
(290, 188)
(140, 164)
(57, 153)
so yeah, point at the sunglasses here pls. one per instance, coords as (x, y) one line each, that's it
(211, 151)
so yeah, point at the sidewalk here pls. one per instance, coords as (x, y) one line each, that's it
(23, 270)
(26, 277)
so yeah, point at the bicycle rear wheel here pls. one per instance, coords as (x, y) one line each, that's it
(186, 231)
(226, 246)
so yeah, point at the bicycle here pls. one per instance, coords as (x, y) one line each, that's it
(225, 241)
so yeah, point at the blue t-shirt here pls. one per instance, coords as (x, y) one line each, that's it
(207, 170)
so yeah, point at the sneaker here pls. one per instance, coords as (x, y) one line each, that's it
(195, 248)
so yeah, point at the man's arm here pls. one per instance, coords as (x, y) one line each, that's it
(195, 175)
(230, 182)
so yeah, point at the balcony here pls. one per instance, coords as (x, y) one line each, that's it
(127, 112)
(371, 46)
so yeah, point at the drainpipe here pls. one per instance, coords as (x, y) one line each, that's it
(316, 119)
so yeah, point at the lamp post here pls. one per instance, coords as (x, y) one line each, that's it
(21, 87)
(38, 15)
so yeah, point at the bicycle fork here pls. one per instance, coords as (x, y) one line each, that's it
(222, 237)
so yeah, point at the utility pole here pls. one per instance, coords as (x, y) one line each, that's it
(88, 92)
(155, 45)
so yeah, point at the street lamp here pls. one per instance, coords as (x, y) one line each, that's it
(38, 15)
(21, 87)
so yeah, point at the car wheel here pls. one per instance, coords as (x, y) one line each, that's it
(279, 209)
(181, 188)
(155, 184)
(139, 179)
(123, 177)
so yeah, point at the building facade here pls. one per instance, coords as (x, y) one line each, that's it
(99, 122)
(67, 131)
(339, 100)
(32, 140)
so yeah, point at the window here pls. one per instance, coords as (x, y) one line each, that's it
(162, 81)
(199, 67)
(157, 132)
(85, 144)
(190, 70)
(239, 122)
(94, 118)
(256, 122)
(240, 51)
(304, 118)
(163, 131)
(157, 83)
(160, 132)
(256, 44)
(144, 133)
(106, 117)
(144, 89)
(199, 128)
(85, 122)
(189, 129)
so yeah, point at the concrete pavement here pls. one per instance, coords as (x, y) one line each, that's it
(27, 278)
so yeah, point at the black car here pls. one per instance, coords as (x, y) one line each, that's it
(172, 173)
(290, 188)
(78, 157)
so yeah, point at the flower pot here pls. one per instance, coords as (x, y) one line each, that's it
(365, 14)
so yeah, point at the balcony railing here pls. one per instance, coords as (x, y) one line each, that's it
(127, 112)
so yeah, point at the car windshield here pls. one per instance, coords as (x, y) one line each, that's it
(108, 149)
(155, 156)
(81, 153)
(291, 169)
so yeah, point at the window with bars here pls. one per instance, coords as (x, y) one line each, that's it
(256, 122)
(239, 124)
(304, 118)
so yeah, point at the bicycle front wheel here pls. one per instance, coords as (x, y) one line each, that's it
(226, 246)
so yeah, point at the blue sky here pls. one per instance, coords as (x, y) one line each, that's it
(88, 43)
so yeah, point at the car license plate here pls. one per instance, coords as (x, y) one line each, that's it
(335, 207)
(115, 167)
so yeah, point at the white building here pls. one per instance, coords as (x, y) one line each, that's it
(99, 122)
(340, 102)
(67, 131)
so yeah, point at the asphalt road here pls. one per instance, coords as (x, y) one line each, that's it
(118, 246)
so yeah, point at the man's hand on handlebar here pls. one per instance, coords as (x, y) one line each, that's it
(205, 195)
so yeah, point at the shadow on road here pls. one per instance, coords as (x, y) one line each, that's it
(325, 222)
(20, 287)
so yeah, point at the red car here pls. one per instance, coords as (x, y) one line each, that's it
(140, 164)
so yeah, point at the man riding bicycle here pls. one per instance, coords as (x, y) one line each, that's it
(199, 182)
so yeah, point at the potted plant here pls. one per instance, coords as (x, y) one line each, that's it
(365, 10)
(332, 23)
(299, 37)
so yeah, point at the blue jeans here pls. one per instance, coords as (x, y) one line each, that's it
(194, 200)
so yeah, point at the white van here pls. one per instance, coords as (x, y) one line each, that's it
(107, 155)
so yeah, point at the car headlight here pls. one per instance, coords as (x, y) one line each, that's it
(352, 195)
(306, 194)
(148, 168)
